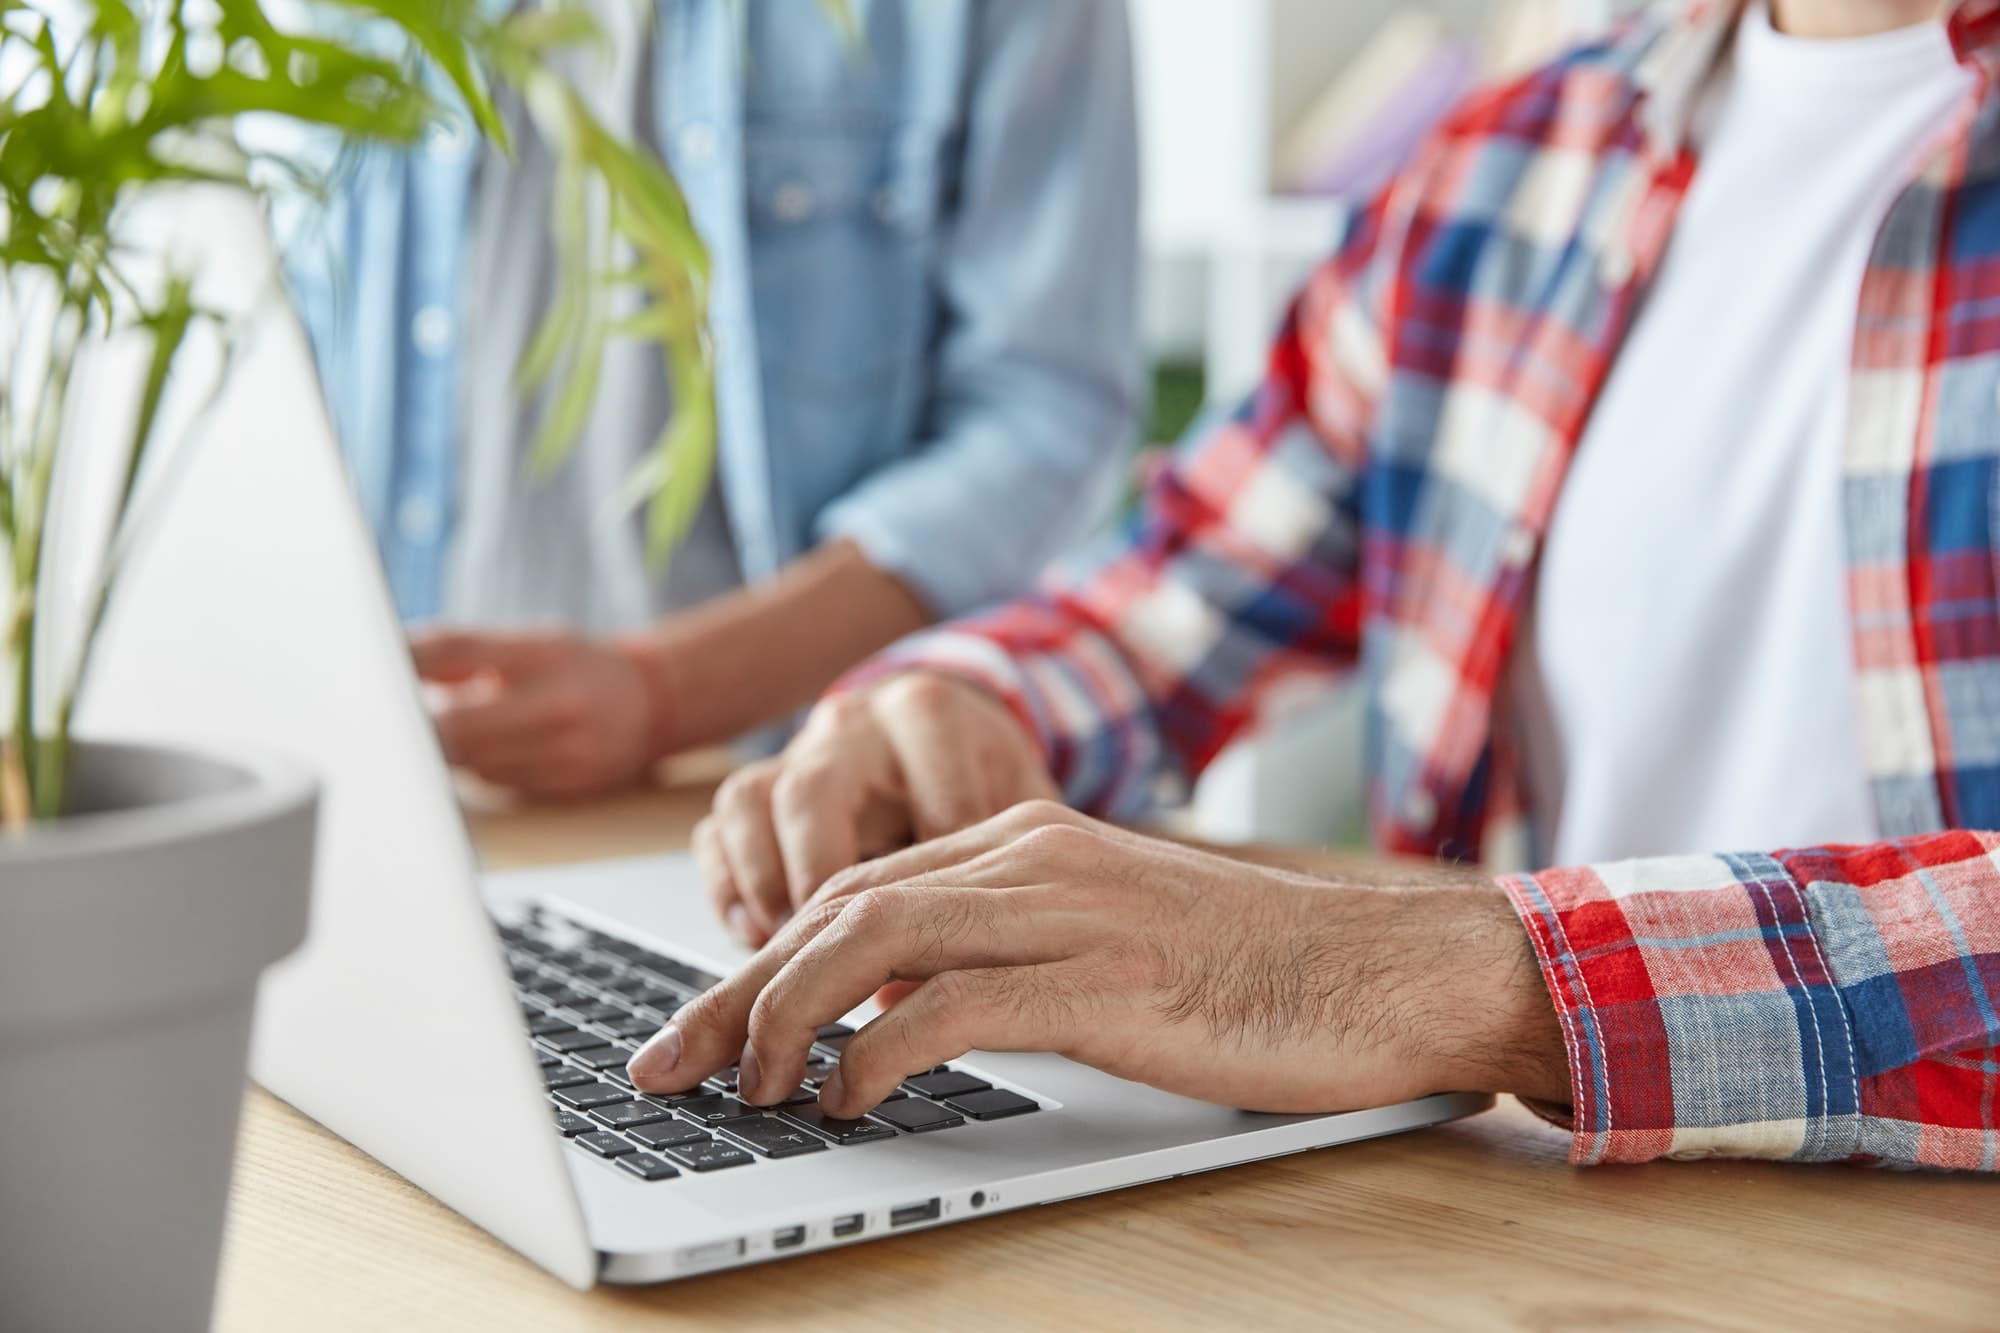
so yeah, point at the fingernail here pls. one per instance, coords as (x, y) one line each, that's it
(737, 918)
(748, 1074)
(657, 1058)
(833, 1091)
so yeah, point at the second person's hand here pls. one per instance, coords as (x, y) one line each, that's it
(550, 715)
(914, 757)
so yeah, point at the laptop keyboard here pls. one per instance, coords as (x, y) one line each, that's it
(590, 999)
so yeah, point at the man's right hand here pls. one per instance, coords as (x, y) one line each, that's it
(912, 758)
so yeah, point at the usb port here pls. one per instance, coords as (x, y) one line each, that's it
(788, 1238)
(848, 1226)
(916, 1212)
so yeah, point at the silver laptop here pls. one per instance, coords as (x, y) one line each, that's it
(470, 1032)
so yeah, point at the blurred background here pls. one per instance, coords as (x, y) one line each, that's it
(1261, 122)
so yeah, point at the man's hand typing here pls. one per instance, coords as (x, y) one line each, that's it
(1041, 930)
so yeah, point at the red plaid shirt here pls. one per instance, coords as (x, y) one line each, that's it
(1378, 505)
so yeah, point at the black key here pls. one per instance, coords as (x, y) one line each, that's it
(664, 999)
(802, 1095)
(569, 1124)
(951, 1083)
(819, 1071)
(634, 1027)
(617, 948)
(837, 1042)
(544, 1059)
(773, 1138)
(512, 934)
(623, 1115)
(725, 1079)
(647, 1167)
(596, 969)
(570, 1039)
(993, 1104)
(602, 1012)
(840, 1131)
(680, 973)
(709, 1156)
(590, 1096)
(568, 997)
(605, 1145)
(604, 1057)
(565, 1076)
(546, 1025)
(618, 1075)
(714, 1110)
(917, 1116)
(832, 1030)
(668, 1134)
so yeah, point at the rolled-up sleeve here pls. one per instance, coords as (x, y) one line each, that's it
(1035, 404)
(1823, 1005)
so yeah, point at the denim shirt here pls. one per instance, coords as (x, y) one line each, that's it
(925, 252)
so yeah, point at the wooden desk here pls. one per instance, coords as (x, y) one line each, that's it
(1479, 1222)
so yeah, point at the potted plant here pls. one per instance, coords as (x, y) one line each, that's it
(143, 891)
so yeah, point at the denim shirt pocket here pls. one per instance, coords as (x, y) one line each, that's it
(843, 229)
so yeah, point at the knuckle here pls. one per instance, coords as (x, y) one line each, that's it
(801, 784)
(1056, 841)
(822, 917)
(839, 712)
(1039, 812)
(746, 788)
(920, 692)
(869, 911)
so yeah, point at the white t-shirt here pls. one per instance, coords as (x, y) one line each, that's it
(1686, 681)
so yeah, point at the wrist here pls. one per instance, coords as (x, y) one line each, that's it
(1491, 1026)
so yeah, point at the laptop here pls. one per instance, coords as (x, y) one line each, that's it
(470, 1031)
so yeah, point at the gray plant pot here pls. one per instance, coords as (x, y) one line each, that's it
(132, 936)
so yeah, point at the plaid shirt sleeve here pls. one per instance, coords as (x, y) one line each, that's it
(1821, 1005)
(1239, 578)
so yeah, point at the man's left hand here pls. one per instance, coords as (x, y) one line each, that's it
(1041, 930)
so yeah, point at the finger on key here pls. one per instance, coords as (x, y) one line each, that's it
(709, 1033)
(898, 934)
(743, 816)
(986, 1009)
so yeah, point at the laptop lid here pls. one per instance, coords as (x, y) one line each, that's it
(254, 613)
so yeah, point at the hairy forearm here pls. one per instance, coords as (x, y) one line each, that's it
(1465, 985)
(758, 654)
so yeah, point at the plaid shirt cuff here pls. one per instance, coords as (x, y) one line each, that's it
(1698, 1010)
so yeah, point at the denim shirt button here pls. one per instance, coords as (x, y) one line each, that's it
(793, 201)
(432, 330)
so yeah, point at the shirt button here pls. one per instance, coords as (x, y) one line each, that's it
(432, 330)
(793, 202)
(1518, 549)
(698, 144)
(417, 519)
(1420, 808)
